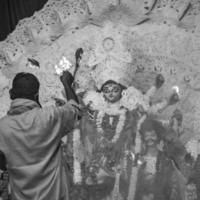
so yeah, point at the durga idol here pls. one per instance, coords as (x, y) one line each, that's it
(108, 129)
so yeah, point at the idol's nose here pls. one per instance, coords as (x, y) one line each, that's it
(111, 95)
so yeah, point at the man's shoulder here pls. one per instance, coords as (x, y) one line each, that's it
(4, 120)
(4, 127)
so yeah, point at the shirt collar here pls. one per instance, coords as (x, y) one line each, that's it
(20, 105)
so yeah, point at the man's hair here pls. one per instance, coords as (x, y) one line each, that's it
(25, 85)
(153, 125)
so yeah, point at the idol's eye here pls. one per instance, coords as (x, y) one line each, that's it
(106, 90)
(116, 89)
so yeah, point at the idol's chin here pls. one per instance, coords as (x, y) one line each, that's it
(111, 100)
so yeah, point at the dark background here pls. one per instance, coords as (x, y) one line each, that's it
(11, 11)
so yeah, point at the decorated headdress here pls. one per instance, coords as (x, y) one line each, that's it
(113, 69)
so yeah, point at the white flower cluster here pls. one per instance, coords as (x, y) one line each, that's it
(94, 100)
(132, 98)
(193, 147)
(63, 65)
(77, 178)
(120, 125)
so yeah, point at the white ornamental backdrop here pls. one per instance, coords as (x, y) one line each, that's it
(145, 38)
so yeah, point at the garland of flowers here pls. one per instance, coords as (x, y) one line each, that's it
(115, 193)
(120, 124)
(77, 178)
(135, 167)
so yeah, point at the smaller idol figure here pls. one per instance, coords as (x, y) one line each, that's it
(192, 190)
(158, 176)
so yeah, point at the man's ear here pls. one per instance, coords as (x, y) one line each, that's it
(36, 96)
(11, 94)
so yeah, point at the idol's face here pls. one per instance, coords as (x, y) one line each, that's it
(112, 92)
(151, 138)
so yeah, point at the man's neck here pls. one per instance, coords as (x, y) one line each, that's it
(152, 151)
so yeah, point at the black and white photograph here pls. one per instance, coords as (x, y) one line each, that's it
(99, 99)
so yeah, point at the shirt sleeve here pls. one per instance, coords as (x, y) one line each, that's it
(2, 161)
(62, 119)
(68, 116)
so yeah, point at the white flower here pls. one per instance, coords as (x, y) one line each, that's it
(131, 98)
(94, 99)
(192, 147)
(77, 178)
(120, 125)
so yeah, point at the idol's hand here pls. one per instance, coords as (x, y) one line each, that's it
(78, 55)
(173, 99)
(159, 81)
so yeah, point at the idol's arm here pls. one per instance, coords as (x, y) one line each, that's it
(158, 84)
(161, 106)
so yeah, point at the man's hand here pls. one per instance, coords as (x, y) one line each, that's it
(159, 81)
(66, 78)
(77, 107)
(59, 102)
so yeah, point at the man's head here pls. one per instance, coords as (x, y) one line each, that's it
(25, 85)
(151, 132)
(112, 91)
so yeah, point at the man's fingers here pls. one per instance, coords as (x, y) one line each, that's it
(75, 104)
(59, 102)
